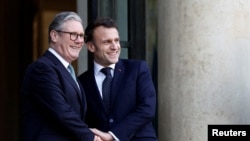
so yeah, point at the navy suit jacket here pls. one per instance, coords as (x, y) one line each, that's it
(52, 105)
(133, 102)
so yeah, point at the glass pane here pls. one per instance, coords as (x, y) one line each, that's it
(122, 21)
(106, 8)
(118, 10)
(124, 53)
(122, 18)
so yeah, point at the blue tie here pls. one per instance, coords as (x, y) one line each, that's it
(106, 87)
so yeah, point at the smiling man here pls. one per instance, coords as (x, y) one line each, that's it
(121, 97)
(53, 104)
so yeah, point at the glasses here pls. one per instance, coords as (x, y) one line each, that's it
(73, 35)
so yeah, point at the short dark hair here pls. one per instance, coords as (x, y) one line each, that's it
(100, 21)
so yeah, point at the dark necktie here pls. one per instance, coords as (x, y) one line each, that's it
(106, 87)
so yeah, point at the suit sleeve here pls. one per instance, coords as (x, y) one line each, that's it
(49, 96)
(144, 111)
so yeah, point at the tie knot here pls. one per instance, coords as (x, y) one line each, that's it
(106, 71)
(70, 67)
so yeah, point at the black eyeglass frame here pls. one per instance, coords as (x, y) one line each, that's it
(73, 35)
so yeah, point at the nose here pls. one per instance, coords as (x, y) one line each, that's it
(115, 45)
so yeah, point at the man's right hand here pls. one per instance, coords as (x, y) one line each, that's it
(97, 138)
(103, 135)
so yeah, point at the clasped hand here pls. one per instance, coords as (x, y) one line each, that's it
(101, 136)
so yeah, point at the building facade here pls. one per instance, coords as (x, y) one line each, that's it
(198, 52)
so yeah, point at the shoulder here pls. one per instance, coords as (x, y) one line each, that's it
(43, 64)
(131, 62)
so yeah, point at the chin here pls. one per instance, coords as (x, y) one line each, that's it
(74, 58)
(114, 61)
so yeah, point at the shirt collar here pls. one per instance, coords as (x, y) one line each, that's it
(98, 67)
(59, 57)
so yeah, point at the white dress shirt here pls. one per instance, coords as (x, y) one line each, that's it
(99, 77)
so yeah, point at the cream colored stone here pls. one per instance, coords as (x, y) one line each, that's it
(203, 74)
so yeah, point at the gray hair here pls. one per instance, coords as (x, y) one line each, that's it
(60, 19)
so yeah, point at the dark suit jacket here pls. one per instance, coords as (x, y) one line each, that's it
(133, 102)
(52, 106)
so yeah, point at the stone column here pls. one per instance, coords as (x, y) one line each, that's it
(204, 66)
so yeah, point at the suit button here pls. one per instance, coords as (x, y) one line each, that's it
(111, 120)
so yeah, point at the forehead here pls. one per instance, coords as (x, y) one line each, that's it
(73, 25)
(102, 32)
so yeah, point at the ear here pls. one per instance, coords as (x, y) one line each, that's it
(53, 35)
(90, 46)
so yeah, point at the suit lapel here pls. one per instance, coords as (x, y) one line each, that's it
(65, 73)
(94, 91)
(118, 75)
(84, 102)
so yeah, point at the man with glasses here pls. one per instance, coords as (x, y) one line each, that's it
(53, 104)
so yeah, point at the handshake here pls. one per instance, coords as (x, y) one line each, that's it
(101, 136)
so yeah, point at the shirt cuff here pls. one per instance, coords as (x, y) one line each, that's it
(113, 135)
